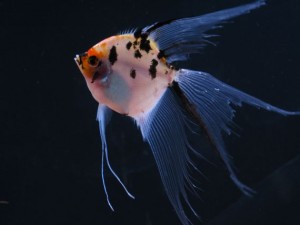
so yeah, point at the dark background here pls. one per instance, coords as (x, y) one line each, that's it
(50, 146)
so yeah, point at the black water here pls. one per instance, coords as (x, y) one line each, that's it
(50, 147)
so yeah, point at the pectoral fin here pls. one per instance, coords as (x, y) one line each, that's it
(103, 117)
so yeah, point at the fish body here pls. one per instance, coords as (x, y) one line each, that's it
(132, 74)
(129, 74)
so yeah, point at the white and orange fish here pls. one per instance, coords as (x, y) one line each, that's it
(132, 74)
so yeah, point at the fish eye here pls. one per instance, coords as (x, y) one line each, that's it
(93, 60)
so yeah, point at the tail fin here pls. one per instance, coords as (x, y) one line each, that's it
(212, 100)
(178, 38)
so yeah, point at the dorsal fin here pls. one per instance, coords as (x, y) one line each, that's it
(180, 37)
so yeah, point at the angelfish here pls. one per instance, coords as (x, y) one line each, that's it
(133, 74)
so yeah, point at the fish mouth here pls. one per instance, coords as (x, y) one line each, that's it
(77, 59)
(79, 63)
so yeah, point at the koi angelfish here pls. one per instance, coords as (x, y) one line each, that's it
(133, 74)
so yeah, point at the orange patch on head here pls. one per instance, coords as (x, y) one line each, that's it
(103, 44)
(98, 50)
(92, 51)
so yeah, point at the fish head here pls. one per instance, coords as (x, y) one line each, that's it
(96, 69)
(93, 66)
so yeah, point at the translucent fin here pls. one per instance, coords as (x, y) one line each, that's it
(127, 31)
(212, 100)
(103, 117)
(164, 129)
(178, 38)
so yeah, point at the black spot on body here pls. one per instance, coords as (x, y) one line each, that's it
(113, 56)
(145, 43)
(132, 73)
(135, 43)
(161, 54)
(137, 33)
(137, 54)
(128, 45)
(152, 68)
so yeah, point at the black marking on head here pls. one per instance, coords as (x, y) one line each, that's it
(152, 68)
(97, 73)
(145, 43)
(137, 54)
(95, 76)
(128, 45)
(137, 33)
(113, 56)
(79, 61)
(132, 73)
(161, 54)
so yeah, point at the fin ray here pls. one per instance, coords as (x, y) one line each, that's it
(172, 150)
